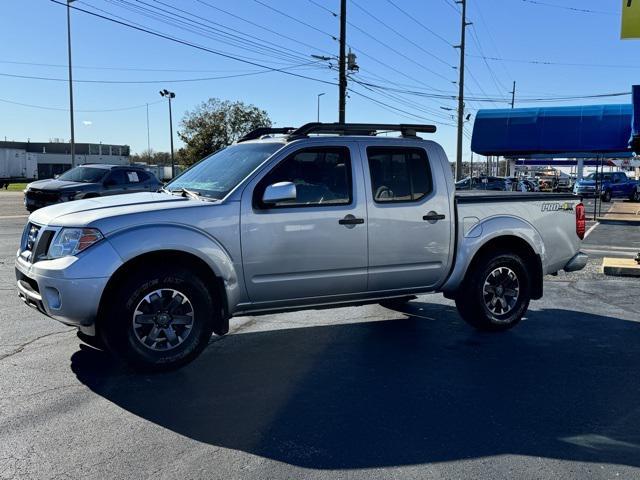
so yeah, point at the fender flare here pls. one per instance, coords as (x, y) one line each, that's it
(483, 233)
(139, 240)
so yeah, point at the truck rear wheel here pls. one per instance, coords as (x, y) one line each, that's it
(496, 293)
(159, 319)
(606, 196)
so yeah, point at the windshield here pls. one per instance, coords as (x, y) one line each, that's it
(607, 176)
(219, 173)
(84, 174)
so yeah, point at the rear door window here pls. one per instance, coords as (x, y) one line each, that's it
(119, 177)
(399, 174)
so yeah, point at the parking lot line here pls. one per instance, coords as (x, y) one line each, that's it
(13, 216)
(593, 227)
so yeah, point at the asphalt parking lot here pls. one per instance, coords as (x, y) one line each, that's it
(360, 392)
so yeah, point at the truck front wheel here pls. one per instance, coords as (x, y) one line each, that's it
(159, 319)
(496, 292)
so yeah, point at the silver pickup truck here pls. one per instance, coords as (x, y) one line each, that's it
(291, 219)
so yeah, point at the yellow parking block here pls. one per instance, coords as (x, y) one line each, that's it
(620, 267)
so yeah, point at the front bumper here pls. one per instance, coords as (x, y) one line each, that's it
(578, 262)
(59, 289)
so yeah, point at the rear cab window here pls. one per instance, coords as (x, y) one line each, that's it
(399, 174)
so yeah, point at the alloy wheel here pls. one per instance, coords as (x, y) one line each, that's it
(163, 319)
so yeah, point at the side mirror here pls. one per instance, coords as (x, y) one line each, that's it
(279, 192)
(56, 175)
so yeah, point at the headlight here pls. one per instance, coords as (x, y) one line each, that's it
(70, 241)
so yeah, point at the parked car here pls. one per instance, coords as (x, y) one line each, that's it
(608, 185)
(289, 223)
(89, 181)
(485, 183)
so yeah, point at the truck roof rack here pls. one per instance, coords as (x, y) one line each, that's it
(261, 131)
(407, 130)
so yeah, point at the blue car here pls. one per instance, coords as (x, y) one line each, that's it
(608, 185)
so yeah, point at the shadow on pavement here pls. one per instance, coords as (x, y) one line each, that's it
(562, 385)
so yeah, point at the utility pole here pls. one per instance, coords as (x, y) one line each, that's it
(461, 88)
(73, 134)
(343, 62)
(169, 95)
(513, 95)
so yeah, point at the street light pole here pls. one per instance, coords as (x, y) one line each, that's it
(73, 135)
(169, 95)
(319, 95)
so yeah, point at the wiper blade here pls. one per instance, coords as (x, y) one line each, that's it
(193, 194)
(184, 192)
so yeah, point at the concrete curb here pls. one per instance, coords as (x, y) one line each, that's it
(618, 220)
(620, 267)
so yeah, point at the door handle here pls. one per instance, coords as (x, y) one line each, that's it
(350, 220)
(433, 217)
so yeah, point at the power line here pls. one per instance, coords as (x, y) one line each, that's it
(553, 63)
(452, 5)
(403, 101)
(111, 16)
(422, 25)
(271, 44)
(395, 109)
(124, 69)
(207, 30)
(492, 40)
(500, 88)
(274, 32)
(573, 9)
(404, 37)
(296, 19)
(397, 52)
(501, 99)
(312, 2)
(182, 80)
(193, 45)
(43, 107)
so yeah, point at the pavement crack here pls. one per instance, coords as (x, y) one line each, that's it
(24, 345)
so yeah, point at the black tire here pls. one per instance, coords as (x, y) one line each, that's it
(474, 302)
(92, 341)
(635, 196)
(138, 296)
(606, 196)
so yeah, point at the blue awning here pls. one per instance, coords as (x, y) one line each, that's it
(555, 131)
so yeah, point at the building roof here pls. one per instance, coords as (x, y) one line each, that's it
(61, 147)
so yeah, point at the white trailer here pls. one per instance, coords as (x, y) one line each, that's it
(16, 165)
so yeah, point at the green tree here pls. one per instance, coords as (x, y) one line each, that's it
(214, 124)
(151, 157)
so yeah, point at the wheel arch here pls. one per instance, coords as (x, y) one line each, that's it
(504, 232)
(520, 247)
(214, 283)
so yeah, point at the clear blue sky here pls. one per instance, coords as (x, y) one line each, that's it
(34, 31)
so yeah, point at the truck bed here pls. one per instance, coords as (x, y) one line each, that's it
(549, 219)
